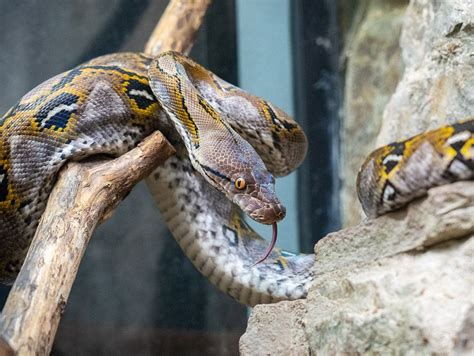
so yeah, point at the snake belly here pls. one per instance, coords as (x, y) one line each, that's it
(107, 106)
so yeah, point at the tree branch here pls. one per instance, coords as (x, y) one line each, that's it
(84, 195)
(178, 27)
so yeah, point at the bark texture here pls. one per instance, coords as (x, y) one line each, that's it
(179, 26)
(83, 196)
(402, 283)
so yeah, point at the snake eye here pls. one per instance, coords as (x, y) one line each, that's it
(240, 183)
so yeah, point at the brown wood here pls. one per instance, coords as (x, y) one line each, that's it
(84, 195)
(178, 27)
(5, 349)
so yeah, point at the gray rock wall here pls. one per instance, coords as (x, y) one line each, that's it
(399, 284)
(437, 86)
(373, 69)
(402, 283)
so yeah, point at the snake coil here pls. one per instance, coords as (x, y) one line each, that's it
(230, 146)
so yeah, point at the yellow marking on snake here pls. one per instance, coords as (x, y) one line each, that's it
(111, 103)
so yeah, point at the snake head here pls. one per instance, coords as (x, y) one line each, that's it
(258, 198)
(235, 168)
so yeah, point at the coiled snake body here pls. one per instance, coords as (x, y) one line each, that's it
(227, 141)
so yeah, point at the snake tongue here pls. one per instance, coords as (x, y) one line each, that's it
(270, 246)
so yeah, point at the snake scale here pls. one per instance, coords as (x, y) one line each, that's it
(230, 146)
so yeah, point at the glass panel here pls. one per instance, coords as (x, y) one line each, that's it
(266, 69)
(317, 105)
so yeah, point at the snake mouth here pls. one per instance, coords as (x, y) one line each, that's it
(268, 214)
(261, 211)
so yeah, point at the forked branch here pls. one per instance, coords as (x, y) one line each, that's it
(84, 195)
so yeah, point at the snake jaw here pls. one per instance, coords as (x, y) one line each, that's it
(261, 210)
(269, 213)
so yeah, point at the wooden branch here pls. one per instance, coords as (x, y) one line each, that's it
(5, 349)
(84, 195)
(178, 26)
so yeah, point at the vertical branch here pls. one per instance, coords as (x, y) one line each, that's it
(83, 196)
(178, 27)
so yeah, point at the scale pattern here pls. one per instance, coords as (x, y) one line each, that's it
(109, 104)
(91, 109)
(399, 172)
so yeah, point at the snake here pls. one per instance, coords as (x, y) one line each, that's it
(230, 145)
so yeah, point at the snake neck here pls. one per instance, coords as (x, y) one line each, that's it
(220, 244)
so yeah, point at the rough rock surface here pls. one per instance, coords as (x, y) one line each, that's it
(285, 334)
(402, 283)
(399, 284)
(438, 83)
(400, 306)
(373, 68)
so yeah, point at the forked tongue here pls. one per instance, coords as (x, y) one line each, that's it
(270, 246)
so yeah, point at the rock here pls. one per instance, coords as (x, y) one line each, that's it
(437, 86)
(373, 69)
(413, 303)
(276, 329)
(399, 284)
(446, 213)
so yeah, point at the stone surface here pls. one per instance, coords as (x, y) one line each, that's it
(373, 69)
(446, 213)
(437, 86)
(410, 304)
(278, 330)
(401, 284)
